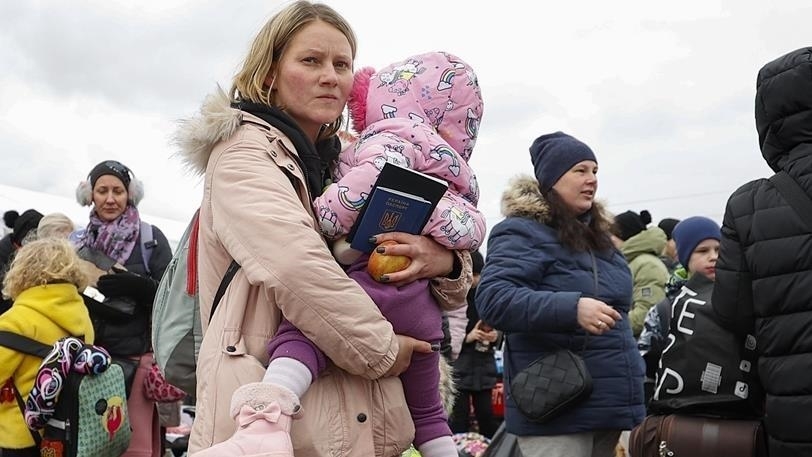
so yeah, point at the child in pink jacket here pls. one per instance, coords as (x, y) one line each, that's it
(422, 113)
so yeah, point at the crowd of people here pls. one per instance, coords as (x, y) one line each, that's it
(309, 354)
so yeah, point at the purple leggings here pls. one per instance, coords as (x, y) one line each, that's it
(412, 311)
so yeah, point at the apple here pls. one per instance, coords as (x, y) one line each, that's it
(381, 264)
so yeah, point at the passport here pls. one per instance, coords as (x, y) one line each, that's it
(401, 200)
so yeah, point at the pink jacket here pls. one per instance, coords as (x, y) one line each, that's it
(422, 113)
(252, 214)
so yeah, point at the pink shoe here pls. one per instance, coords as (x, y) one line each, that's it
(263, 413)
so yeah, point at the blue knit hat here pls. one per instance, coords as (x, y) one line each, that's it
(692, 231)
(554, 154)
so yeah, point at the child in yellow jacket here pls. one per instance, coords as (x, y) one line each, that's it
(43, 281)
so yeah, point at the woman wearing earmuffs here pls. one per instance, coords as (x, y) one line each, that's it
(115, 229)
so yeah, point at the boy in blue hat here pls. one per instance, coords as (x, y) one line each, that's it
(697, 248)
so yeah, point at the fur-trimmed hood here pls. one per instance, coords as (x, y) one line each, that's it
(435, 88)
(523, 198)
(196, 136)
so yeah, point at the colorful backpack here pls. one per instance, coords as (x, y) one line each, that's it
(78, 399)
(176, 328)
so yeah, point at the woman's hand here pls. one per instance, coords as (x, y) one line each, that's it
(429, 258)
(595, 316)
(406, 346)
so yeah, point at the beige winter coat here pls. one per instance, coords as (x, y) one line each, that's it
(252, 213)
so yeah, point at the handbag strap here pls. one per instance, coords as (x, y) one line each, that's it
(794, 195)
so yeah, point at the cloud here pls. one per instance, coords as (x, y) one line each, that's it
(662, 92)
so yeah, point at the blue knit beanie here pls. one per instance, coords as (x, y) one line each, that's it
(692, 231)
(554, 154)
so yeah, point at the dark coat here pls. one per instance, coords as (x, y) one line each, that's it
(133, 336)
(474, 370)
(530, 289)
(6, 253)
(764, 272)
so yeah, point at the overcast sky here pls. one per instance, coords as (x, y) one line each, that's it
(662, 91)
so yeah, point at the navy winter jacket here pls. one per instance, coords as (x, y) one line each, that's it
(530, 288)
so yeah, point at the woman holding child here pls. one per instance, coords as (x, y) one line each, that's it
(265, 150)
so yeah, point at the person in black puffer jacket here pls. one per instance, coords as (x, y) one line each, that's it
(764, 272)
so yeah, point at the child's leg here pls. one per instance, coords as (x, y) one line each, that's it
(483, 409)
(432, 436)
(295, 360)
(459, 422)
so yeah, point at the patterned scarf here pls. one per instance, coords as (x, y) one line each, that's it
(115, 238)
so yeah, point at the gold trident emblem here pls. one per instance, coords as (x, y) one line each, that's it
(389, 220)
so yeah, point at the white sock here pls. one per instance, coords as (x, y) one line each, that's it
(439, 447)
(289, 373)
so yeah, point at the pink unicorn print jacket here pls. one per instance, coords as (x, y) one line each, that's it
(422, 113)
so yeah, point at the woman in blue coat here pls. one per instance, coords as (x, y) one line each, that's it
(553, 280)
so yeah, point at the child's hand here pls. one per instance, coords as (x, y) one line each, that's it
(406, 346)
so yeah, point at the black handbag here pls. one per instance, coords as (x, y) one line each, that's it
(117, 309)
(129, 367)
(554, 382)
(550, 385)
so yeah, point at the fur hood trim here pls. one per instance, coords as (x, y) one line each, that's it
(523, 198)
(448, 389)
(196, 136)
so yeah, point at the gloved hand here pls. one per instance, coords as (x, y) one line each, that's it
(128, 284)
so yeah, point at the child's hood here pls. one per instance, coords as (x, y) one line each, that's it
(436, 88)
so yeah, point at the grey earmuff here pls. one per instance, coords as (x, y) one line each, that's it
(135, 190)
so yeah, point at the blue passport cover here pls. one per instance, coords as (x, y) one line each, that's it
(389, 210)
(404, 179)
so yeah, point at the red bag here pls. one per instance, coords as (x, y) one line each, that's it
(679, 435)
(158, 389)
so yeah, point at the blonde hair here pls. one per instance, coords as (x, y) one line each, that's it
(270, 45)
(55, 225)
(41, 262)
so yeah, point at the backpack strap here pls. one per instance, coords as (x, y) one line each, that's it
(31, 347)
(24, 344)
(227, 277)
(794, 195)
(21, 405)
(191, 257)
(148, 243)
